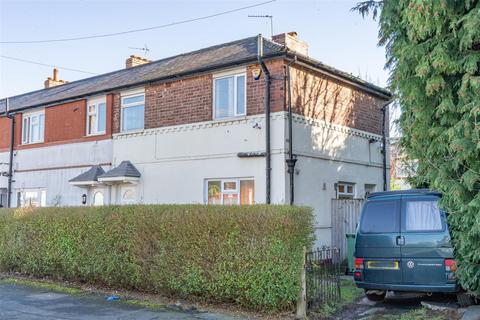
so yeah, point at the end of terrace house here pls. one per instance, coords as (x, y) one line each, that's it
(250, 121)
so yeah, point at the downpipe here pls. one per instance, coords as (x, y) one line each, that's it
(268, 156)
(384, 143)
(292, 160)
(10, 162)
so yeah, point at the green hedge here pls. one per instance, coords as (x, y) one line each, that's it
(249, 255)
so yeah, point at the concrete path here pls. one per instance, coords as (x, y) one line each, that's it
(25, 303)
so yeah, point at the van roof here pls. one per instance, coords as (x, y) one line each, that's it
(404, 192)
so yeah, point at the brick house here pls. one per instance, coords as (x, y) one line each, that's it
(193, 128)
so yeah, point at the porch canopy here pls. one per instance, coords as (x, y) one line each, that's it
(124, 173)
(88, 178)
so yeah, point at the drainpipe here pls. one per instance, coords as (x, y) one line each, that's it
(266, 100)
(10, 162)
(384, 143)
(291, 158)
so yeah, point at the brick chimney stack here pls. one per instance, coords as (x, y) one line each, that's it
(134, 60)
(291, 41)
(55, 81)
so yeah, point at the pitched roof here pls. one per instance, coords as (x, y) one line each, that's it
(195, 61)
(215, 57)
(89, 175)
(124, 169)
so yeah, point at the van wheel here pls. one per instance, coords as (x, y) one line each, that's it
(375, 295)
(464, 299)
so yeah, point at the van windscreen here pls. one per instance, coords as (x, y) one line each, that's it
(380, 217)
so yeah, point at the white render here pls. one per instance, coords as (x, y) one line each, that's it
(176, 161)
(50, 168)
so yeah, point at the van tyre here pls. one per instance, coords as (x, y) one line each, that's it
(375, 295)
(464, 299)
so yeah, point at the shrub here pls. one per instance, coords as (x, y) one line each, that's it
(249, 255)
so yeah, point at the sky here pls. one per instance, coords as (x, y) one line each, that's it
(336, 36)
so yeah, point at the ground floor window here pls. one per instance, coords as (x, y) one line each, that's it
(32, 198)
(3, 197)
(230, 191)
(345, 190)
(128, 195)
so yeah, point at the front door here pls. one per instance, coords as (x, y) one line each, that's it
(426, 241)
(377, 241)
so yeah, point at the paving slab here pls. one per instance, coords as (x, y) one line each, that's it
(472, 313)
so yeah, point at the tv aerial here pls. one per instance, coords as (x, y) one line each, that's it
(145, 50)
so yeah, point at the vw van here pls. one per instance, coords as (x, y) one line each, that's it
(403, 244)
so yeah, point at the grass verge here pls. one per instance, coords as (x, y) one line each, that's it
(349, 293)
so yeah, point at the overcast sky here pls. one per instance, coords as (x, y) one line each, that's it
(336, 36)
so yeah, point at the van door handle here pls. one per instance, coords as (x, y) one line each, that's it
(400, 240)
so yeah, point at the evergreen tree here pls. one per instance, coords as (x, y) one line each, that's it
(433, 53)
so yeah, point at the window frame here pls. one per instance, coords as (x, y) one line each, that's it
(235, 74)
(126, 95)
(27, 128)
(228, 191)
(96, 102)
(41, 197)
(345, 195)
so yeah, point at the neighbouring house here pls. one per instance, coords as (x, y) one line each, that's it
(400, 167)
(209, 126)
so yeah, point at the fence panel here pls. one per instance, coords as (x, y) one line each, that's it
(322, 268)
(345, 216)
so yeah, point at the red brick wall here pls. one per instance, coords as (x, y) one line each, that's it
(4, 133)
(66, 123)
(179, 102)
(256, 88)
(320, 97)
(190, 100)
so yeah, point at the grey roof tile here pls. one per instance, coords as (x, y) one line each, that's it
(124, 169)
(211, 57)
(89, 175)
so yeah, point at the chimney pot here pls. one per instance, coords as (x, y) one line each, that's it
(53, 81)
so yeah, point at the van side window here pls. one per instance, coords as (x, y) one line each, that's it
(380, 217)
(423, 216)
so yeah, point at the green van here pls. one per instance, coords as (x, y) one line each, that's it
(403, 244)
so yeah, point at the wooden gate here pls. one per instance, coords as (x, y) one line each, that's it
(345, 217)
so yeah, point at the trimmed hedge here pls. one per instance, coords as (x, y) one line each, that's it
(249, 255)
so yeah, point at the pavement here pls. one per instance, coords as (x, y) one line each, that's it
(19, 302)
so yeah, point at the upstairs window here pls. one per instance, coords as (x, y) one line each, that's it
(133, 109)
(96, 116)
(230, 191)
(33, 127)
(230, 96)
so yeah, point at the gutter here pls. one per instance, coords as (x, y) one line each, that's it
(10, 162)
(266, 101)
(292, 160)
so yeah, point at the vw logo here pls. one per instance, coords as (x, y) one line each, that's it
(410, 264)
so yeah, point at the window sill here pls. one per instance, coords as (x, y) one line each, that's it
(95, 134)
(32, 143)
(132, 131)
(242, 117)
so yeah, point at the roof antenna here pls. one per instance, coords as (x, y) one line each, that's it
(267, 16)
(145, 50)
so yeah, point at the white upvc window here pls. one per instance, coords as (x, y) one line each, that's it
(345, 190)
(230, 96)
(33, 127)
(32, 198)
(96, 116)
(133, 111)
(230, 191)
